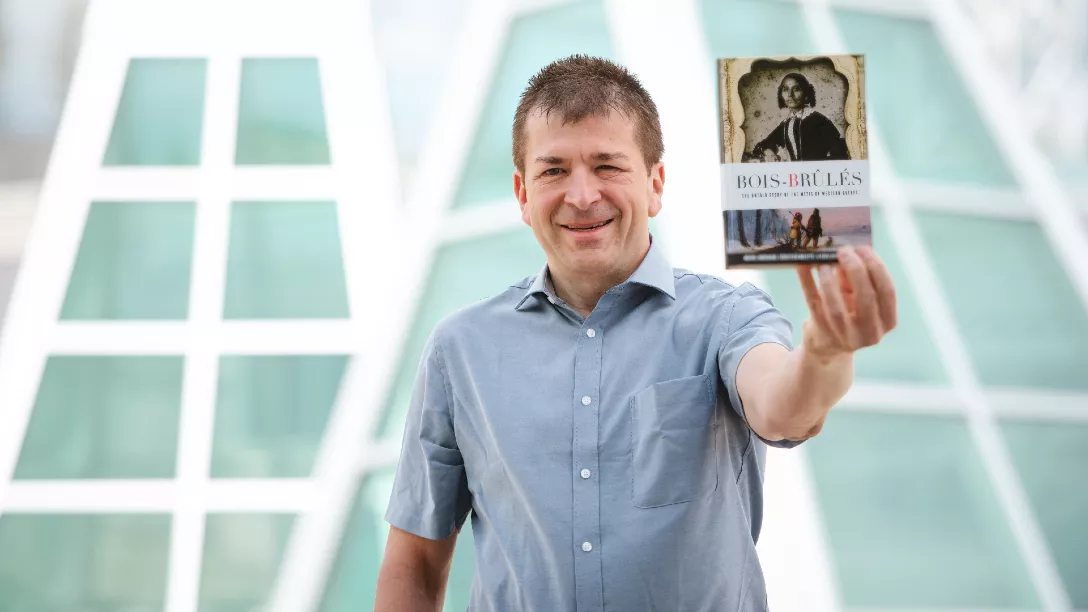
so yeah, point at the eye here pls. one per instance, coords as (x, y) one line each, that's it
(607, 168)
(551, 172)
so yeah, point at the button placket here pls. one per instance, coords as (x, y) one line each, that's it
(589, 579)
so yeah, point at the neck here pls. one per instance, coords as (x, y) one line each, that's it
(582, 292)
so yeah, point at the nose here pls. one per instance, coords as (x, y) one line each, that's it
(582, 190)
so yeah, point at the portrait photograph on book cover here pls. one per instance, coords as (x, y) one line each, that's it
(794, 235)
(808, 108)
(802, 119)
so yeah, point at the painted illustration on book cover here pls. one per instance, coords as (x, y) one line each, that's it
(801, 232)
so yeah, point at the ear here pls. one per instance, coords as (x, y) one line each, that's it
(523, 197)
(657, 187)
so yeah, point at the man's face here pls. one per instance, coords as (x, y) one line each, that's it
(793, 95)
(587, 194)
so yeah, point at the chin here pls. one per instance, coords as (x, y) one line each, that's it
(591, 261)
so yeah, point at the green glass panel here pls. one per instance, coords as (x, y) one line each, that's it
(416, 43)
(463, 272)
(104, 417)
(134, 262)
(912, 519)
(929, 122)
(352, 584)
(285, 262)
(160, 118)
(242, 555)
(907, 353)
(62, 563)
(1019, 315)
(271, 414)
(751, 28)
(534, 41)
(281, 114)
(1051, 459)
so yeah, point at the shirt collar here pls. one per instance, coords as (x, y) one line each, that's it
(655, 272)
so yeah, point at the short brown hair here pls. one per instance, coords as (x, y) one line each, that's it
(579, 86)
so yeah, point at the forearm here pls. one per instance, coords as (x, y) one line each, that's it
(403, 589)
(798, 393)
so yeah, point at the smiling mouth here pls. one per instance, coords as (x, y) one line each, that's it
(587, 228)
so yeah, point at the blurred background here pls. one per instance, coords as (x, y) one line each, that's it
(227, 228)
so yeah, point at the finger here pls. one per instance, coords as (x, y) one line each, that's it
(866, 313)
(883, 287)
(834, 308)
(847, 290)
(812, 295)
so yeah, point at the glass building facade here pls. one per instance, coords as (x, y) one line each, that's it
(248, 230)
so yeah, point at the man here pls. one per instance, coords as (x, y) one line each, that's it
(814, 229)
(805, 134)
(796, 229)
(604, 421)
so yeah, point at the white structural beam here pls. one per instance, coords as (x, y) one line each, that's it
(54, 238)
(142, 496)
(244, 183)
(950, 345)
(280, 337)
(314, 544)
(483, 220)
(995, 100)
(201, 374)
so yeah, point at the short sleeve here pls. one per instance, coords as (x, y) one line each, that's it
(752, 320)
(430, 495)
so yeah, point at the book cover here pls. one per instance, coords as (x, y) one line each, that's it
(794, 159)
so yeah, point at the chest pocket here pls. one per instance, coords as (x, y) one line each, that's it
(673, 446)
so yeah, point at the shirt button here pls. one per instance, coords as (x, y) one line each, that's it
(591, 333)
(585, 473)
(586, 546)
(586, 400)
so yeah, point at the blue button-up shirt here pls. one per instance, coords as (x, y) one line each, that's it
(605, 460)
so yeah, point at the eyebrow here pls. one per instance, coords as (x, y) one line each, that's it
(599, 156)
(609, 156)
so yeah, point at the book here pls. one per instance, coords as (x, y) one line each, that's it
(794, 158)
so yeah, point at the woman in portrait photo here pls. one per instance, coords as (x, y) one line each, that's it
(804, 134)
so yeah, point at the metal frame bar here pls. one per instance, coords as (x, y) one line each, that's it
(937, 312)
(314, 543)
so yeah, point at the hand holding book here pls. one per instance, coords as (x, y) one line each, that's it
(852, 305)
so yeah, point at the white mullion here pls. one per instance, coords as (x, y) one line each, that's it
(950, 344)
(51, 248)
(361, 135)
(313, 544)
(251, 337)
(144, 496)
(207, 287)
(967, 199)
(524, 7)
(382, 454)
(901, 396)
(482, 220)
(299, 183)
(1039, 405)
(900, 9)
(995, 101)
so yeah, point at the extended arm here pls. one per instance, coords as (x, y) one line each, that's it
(787, 395)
